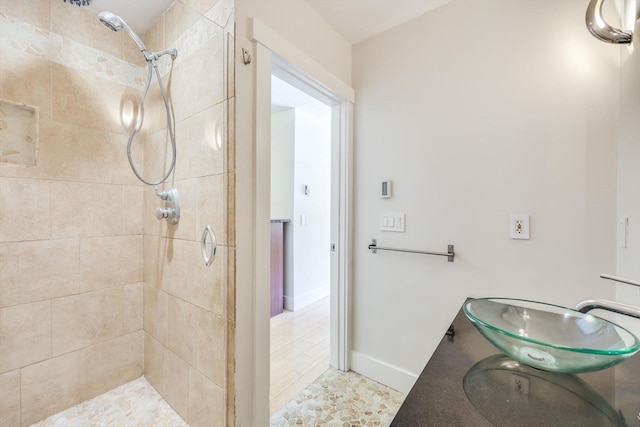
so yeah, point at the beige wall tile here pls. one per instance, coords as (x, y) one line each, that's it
(173, 259)
(208, 285)
(35, 13)
(198, 336)
(198, 80)
(133, 202)
(203, 144)
(10, 398)
(100, 100)
(55, 384)
(48, 269)
(25, 335)
(26, 79)
(183, 274)
(158, 150)
(220, 12)
(153, 248)
(72, 153)
(206, 402)
(25, 210)
(9, 274)
(132, 307)
(174, 383)
(178, 19)
(112, 363)
(86, 319)
(82, 25)
(110, 261)
(212, 205)
(156, 309)
(85, 210)
(153, 353)
(154, 38)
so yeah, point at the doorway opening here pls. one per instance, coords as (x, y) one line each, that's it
(301, 176)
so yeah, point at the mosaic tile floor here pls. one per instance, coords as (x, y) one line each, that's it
(135, 404)
(343, 399)
(334, 399)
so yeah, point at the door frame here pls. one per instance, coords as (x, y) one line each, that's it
(275, 55)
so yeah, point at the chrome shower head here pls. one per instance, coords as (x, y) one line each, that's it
(115, 23)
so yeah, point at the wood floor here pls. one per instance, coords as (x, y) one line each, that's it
(299, 351)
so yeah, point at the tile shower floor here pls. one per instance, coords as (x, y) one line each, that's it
(135, 404)
(334, 399)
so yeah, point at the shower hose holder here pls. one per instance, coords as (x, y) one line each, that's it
(171, 210)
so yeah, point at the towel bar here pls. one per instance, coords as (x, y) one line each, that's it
(373, 247)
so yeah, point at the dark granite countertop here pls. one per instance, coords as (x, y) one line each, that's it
(502, 392)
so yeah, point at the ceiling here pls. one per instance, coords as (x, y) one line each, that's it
(355, 20)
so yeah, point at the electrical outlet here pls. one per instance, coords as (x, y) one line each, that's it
(519, 226)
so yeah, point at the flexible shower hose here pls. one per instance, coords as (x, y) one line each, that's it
(152, 65)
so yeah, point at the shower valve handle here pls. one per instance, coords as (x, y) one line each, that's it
(164, 195)
(162, 213)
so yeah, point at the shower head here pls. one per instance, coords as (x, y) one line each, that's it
(115, 23)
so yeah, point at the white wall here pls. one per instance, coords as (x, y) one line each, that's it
(282, 163)
(311, 275)
(476, 111)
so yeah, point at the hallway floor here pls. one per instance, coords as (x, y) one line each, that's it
(299, 351)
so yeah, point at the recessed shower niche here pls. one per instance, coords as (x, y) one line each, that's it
(18, 134)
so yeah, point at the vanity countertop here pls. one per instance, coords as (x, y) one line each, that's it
(468, 382)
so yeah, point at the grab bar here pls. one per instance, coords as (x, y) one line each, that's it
(208, 258)
(620, 279)
(373, 247)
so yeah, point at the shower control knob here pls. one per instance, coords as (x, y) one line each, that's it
(162, 213)
(164, 195)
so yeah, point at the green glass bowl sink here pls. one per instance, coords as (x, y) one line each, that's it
(551, 337)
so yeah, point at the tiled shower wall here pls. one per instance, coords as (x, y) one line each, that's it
(188, 307)
(77, 254)
(71, 244)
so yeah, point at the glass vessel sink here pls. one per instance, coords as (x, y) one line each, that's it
(551, 337)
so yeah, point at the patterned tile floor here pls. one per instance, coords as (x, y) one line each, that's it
(135, 404)
(334, 399)
(343, 399)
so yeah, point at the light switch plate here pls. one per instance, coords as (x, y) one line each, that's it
(392, 221)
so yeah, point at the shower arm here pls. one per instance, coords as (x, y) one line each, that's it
(599, 28)
(153, 56)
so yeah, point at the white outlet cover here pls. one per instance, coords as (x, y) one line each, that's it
(519, 227)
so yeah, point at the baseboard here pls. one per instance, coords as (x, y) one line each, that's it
(382, 372)
(296, 303)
